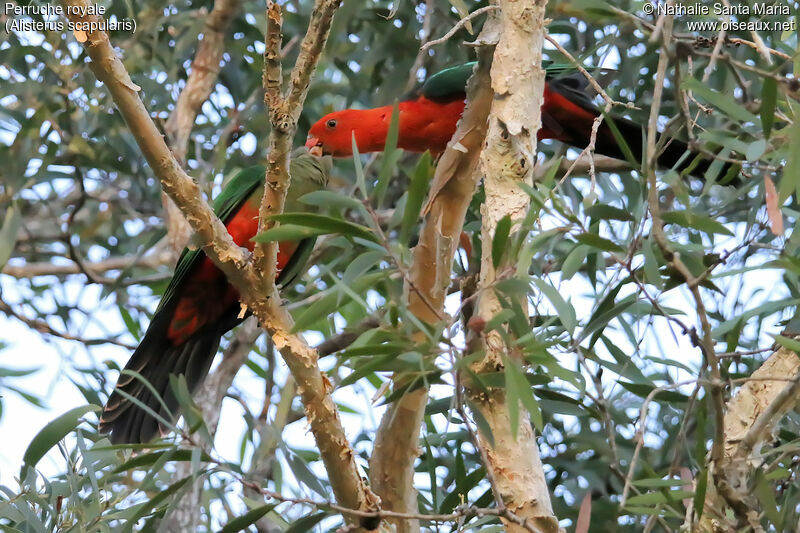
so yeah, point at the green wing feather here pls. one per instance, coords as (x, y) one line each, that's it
(451, 82)
(309, 173)
(242, 185)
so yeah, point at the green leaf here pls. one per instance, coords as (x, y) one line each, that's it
(609, 212)
(689, 219)
(790, 181)
(8, 233)
(288, 232)
(651, 266)
(755, 150)
(651, 483)
(420, 180)
(789, 343)
(700, 492)
(500, 240)
(722, 101)
(596, 241)
(304, 474)
(766, 497)
(331, 198)
(360, 181)
(241, 523)
(515, 377)
(566, 313)
(390, 156)
(602, 317)
(147, 459)
(654, 498)
(642, 390)
(769, 96)
(17, 372)
(574, 261)
(319, 224)
(130, 324)
(154, 502)
(52, 433)
(307, 523)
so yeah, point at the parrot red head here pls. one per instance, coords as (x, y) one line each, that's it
(333, 133)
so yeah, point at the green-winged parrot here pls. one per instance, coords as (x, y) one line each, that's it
(199, 305)
(428, 117)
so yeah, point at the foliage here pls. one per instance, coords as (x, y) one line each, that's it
(612, 326)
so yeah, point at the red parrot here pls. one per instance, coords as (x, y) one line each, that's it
(429, 115)
(199, 305)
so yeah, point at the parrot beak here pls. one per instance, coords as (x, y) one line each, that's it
(314, 146)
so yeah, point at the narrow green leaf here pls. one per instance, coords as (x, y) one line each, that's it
(148, 459)
(512, 402)
(766, 496)
(769, 96)
(642, 390)
(154, 503)
(700, 492)
(420, 180)
(596, 241)
(566, 313)
(431, 464)
(651, 267)
(609, 212)
(689, 219)
(360, 181)
(241, 523)
(789, 343)
(653, 498)
(17, 372)
(331, 198)
(304, 474)
(319, 224)
(288, 232)
(12, 222)
(52, 433)
(307, 523)
(791, 174)
(500, 239)
(390, 156)
(722, 101)
(525, 392)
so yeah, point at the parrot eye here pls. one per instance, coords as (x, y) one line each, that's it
(331, 123)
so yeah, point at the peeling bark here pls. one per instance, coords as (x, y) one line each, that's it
(455, 181)
(517, 80)
(751, 417)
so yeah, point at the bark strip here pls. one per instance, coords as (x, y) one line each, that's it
(517, 80)
(454, 183)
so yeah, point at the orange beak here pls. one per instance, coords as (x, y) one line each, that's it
(314, 146)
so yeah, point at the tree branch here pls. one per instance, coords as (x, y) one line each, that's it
(199, 85)
(454, 183)
(339, 459)
(750, 419)
(517, 80)
(32, 270)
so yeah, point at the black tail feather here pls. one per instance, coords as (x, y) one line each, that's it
(674, 153)
(155, 360)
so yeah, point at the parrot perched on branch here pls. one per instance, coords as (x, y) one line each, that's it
(428, 117)
(199, 305)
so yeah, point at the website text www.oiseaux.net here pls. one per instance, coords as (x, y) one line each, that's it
(781, 15)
